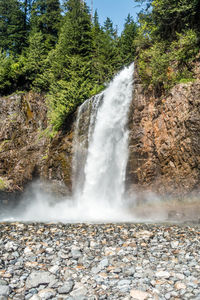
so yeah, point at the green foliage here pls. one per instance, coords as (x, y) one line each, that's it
(46, 18)
(168, 42)
(75, 37)
(3, 184)
(68, 56)
(5, 73)
(162, 65)
(171, 17)
(127, 39)
(34, 60)
(12, 35)
(71, 90)
(166, 18)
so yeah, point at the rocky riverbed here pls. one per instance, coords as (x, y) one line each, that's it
(104, 261)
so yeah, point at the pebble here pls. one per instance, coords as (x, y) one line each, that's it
(139, 295)
(38, 278)
(162, 274)
(46, 294)
(4, 290)
(97, 262)
(66, 287)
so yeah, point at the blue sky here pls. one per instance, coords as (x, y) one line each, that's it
(116, 10)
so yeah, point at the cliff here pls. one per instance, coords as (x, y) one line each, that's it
(27, 150)
(164, 143)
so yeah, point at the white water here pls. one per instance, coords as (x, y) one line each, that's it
(105, 167)
(99, 162)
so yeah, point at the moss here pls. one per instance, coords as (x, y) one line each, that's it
(48, 132)
(3, 184)
(45, 157)
(187, 80)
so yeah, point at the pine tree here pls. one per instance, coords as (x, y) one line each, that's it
(126, 45)
(109, 29)
(104, 52)
(75, 35)
(34, 60)
(46, 18)
(12, 35)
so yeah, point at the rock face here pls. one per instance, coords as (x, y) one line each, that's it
(164, 143)
(27, 151)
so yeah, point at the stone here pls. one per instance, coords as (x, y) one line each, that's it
(103, 263)
(156, 270)
(174, 244)
(179, 276)
(47, 293)
(79, 291)
(76, 254)
(4, 290)
(28, 251)
(38, 278)
(54, 269)
(139, 295)
(144, 234)
(35, 297)
(180, 286)
(66, 287)
(162, 274)
(124, 285)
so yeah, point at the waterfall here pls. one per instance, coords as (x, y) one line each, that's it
(99, 163)
(101, 148)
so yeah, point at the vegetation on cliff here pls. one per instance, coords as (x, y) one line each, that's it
(168, 42)
(63, 52)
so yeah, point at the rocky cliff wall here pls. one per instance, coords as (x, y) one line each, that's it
(164, 143)
(27, 151)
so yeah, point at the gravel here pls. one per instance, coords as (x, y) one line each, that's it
(102, 261)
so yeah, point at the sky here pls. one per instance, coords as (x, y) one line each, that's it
(116, 10)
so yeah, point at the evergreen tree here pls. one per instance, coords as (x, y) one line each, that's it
(34, 60)
(12, 35)
(45, 18)
(75, 35)
(109, 29)
(26, 7)
(70, 70)
(127, 38)
(106, 58)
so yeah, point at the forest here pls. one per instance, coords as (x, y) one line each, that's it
(65, 53)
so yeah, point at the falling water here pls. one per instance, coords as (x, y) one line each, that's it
(100, 158)
(99, 184)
